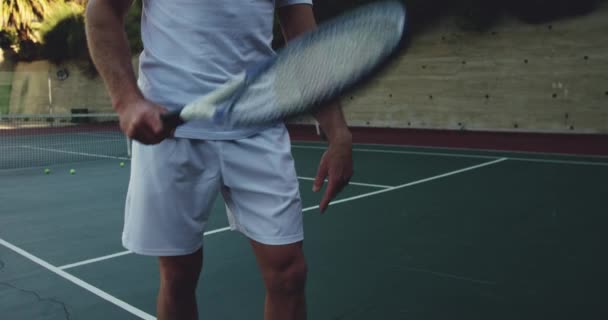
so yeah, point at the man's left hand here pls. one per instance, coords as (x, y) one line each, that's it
(337, 167)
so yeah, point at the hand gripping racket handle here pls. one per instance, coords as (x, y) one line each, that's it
(172, 119)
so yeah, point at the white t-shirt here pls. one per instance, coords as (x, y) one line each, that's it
(193, 46)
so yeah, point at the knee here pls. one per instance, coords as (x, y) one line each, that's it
(288, 280)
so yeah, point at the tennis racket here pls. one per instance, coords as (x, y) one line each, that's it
(312, 70)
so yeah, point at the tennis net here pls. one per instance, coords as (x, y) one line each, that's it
(45, 140)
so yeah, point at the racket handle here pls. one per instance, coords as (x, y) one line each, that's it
(172, 119)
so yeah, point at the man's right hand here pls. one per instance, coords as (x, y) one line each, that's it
(109, 49)
(140, 120)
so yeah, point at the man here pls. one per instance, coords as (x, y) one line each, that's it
(192, 47)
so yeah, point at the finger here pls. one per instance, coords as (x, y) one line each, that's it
(320, 177)
(145, 137)
(329, 194)
(157, 128)
(164, 133)
(339, 187)
(155, 131)
(153, 122)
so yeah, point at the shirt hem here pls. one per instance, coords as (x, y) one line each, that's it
(218, 135)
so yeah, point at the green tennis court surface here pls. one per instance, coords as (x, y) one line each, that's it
(420, 234)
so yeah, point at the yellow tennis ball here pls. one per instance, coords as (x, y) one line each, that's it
(122, 164)
(72, 171)
(47, 171)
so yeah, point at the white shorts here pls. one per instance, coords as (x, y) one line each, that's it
(174, 184)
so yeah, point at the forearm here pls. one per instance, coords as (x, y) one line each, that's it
(109, 50)
(296, 20)
(333, 123)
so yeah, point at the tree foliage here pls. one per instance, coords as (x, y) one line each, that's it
(62, 36)
(19, 17)
(54, 29)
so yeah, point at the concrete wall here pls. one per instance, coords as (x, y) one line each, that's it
(30, 93)
(549, 78)
(33, 81)
(6, 81)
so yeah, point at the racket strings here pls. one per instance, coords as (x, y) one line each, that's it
(319, 66)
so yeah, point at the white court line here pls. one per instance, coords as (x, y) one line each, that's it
(472, 156)
(413, 146)
(110, 256)
(364, 195)
(81, 142)
(370, 185)
(216, 231)
(122, 253)
(422, 153)
(448, 275)
(99, 134)
(585, 163)
(413, 183)
(66, 144)
(77, 281)
(532, 153)
(76, 153)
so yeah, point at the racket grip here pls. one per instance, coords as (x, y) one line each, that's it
(172, 119)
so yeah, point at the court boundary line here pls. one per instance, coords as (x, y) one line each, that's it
(89, 261)
(416, 182)
(83, 142)
(448, 275)
(126, 252)
(99, 134)
(93, 155)
(421, 153)
(79, 282)
(462, 155)
(363, 195)
(360, 184)
(123, 253)
(404, 146)
(569, 162)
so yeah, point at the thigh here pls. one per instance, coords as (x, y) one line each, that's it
(181, 272)
(171, 191)
(261, 189)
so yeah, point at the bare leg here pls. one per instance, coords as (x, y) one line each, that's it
(178, 280)
(284, 271)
